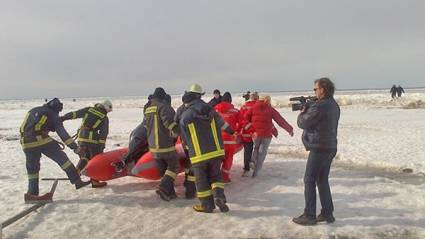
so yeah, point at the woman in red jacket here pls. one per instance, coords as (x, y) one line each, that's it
(232, 117)
(261, 115)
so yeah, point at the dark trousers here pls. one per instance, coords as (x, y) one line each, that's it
(88, 151)
(317, 174)
(209, 181)
(168, 165)
(247, 154)
(136, 148)
(53, 151)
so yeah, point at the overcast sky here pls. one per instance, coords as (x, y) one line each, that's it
(111, 48)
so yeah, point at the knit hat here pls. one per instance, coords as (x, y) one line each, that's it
(159, 93)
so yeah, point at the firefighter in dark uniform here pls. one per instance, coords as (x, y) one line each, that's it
(200, 128)
(189, 178)
(92, 133)
(35, 140)
(162, 134)
(137, 146)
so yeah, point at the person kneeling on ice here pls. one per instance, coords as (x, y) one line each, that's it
(35, 140)
(232, 117)
(137, 146)
(92, 133)
(261, 116)
(200, 127)
(320, 124)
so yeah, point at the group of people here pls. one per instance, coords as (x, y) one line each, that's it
(396, 91)
(209, 133)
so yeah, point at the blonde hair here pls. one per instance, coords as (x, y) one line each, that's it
(266, 98)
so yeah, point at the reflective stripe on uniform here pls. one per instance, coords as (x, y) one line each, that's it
(156, 129)
(172, 125)
(163, 150)
(69, 141)
(66, 165)
(225, 171)
(246, 135)
(150, 110)
(191, 178)
(230, 142)
(215, 134)
(40, 123)
(97, 113)
(96, 124)
(204, 194)
(24, 123)
(39, 142)
(171, 174)
(101, 141)
(207, 156)
(194, 138)
(74, 115)
(247, 126)
(32, 176)
(217, 185)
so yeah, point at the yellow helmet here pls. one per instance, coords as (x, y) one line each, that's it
(195, 88)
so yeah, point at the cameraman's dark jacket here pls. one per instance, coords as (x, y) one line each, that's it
(320, 125)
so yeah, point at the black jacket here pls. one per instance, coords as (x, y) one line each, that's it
(95, 126)
(320, 125)
(160, 126)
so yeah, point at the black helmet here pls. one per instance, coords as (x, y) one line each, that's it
(55, 105)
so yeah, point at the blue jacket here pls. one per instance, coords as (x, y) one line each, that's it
(320, 125)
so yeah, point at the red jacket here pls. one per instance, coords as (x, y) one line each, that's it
(246, 130)
(232, 117)
(261, 115)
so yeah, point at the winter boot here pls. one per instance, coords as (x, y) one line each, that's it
(329, 218)
(163, 194)
(221, 203)
(97, 183)
(79, 184)
(33, 199)
(304, 220)
(201, 208)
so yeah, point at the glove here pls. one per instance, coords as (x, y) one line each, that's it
(77, 150)
(119, 166)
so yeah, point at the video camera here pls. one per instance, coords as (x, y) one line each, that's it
(304, 102)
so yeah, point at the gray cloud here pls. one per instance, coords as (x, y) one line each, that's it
(93, 48)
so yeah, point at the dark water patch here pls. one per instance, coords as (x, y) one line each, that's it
(12, 138)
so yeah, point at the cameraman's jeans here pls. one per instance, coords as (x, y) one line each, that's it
(261, 145)
(317, 173)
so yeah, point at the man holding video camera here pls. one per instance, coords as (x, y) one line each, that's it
(319, 120)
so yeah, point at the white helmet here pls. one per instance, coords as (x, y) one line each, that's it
(107, 104)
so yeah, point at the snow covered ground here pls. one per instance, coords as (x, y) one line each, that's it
(378, 139)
